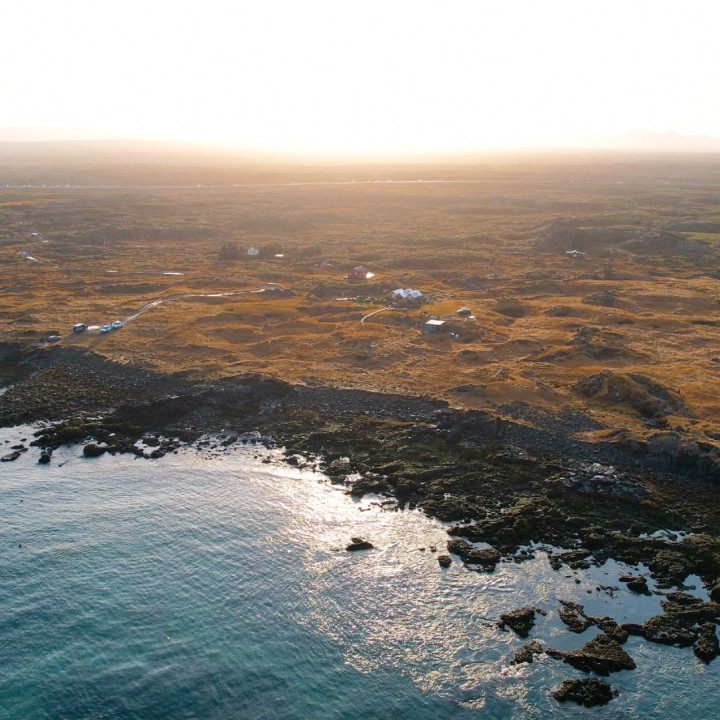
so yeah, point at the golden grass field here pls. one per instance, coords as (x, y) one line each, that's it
(642, 307)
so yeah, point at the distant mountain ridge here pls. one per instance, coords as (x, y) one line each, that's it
(43, 142)
(656, 140)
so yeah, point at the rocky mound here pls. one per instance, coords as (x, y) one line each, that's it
(593, 342)
(665, 243)
(640, 392)
(598, 479)
(586, 235)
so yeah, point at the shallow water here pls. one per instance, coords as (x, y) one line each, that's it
(217, 586)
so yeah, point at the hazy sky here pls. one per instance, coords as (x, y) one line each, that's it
(361, 75)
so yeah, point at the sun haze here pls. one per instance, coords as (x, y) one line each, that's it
(372, 77)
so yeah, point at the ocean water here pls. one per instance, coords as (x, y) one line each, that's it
(216, 586)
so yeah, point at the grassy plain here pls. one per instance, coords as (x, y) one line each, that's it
(631, 334)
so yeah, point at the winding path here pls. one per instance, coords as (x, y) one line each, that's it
(182, 296)
(375, 312)
(28, 254)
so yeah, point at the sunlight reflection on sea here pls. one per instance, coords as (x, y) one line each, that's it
(217, 585)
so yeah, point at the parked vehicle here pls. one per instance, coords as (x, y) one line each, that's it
(105, 329)
(79, 327)
(116, 324)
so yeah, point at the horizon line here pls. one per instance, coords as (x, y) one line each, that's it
(217, 148)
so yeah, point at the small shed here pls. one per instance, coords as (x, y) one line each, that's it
(433, 325)
(576, 254)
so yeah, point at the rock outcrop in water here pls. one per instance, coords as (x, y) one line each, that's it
(635, 583)
(92, 450)
(520, 620)
(573, 615)
(706, 647)
(527, 653)
(589, 692)
(486, 558)
(601, 655)
(358, 543)
(679, 624)
(578, 621)
(14, 455)
(576, 559)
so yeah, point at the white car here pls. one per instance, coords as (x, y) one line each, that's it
(117, 324)
(105, 329)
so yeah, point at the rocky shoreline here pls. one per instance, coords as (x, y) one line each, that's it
(462, 467)
(504, 479)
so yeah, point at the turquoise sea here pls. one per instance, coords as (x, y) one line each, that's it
(215, 585)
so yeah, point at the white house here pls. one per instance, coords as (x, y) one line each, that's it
(409, 294)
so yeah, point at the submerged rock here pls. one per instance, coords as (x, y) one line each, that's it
(527, 653)
(575, 559)
(45, 457)
(589, 692)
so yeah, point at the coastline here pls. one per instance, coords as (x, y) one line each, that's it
(459, 466)
(504, 483)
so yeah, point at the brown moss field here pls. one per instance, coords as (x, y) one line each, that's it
(491, 235)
